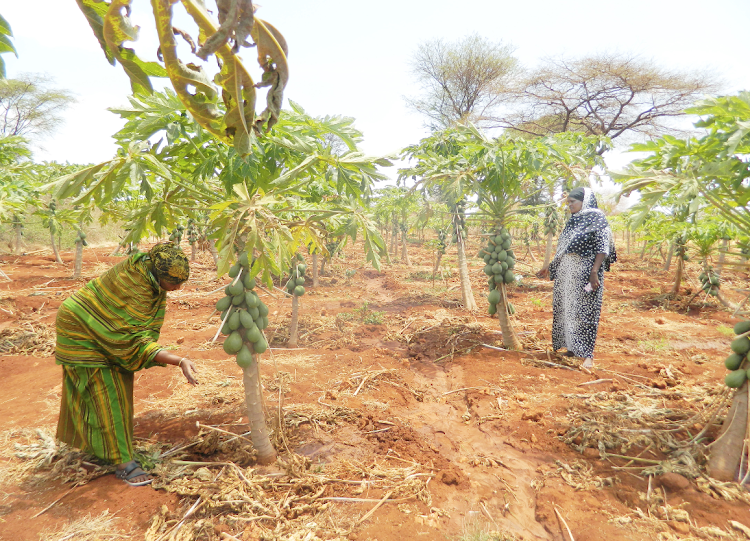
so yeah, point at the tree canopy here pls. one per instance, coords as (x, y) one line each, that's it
(461, 81)
(610, 94)
(30, 107)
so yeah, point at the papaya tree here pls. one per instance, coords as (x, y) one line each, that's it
(255, 202)
(714, 166)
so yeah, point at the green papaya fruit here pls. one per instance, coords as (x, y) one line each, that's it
(488, 270)
(246, 320)
(511, 309)
(262, 322)
(486, 258)
(502, 256)
(509, 277)
(735, 378)
(742, 327)
(263, 309)
(226, 291)
(733, 362)
(243, 260)
(506, 244)
(511, 262)
(223, 303)
(504, 234)
(236, 289)
(251, 299)
(234, 270)
(254, 312)
(741, 345)
(494, 296)
(244, 357)
(233, 343)
(238, 299)
(260, 346)
(493, 309)
(299, 291)
(497, 268)
(253, 335)
(499, 239)
(225, 330)
(300, 281)
(234, 321)
(301, 268)
(498, 278)
(248, 282)
(714, 280)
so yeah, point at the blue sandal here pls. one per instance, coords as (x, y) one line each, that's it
(132, 470)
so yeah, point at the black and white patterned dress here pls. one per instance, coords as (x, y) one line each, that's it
(575, 312)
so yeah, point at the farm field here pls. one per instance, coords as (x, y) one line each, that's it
(392, 418)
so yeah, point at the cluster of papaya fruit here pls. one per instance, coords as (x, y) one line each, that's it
(460, 221)
(296, 284)
(81, 237)
(244, 315)
(192, 231)
(551, 220)
(737, 361)
(176, 235)
(709, 281)
(681, 247)
(499, 263)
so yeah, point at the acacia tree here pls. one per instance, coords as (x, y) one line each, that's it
(609, 94)
(714, 166)
(30, 107)
(461, 81)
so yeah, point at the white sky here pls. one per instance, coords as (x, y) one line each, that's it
(350, 57)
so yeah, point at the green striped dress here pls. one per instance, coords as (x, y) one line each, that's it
(106, 331)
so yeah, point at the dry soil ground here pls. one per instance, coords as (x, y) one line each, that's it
(392, 420)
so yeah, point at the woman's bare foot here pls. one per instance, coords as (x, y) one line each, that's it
(588, 363)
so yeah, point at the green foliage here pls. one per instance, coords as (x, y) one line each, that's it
(696, 171)
(229, 115)
(290, 191)
(6, 45)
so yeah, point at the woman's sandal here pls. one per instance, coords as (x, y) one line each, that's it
(132, 470)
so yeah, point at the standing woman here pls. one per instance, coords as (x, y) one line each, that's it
(585, 250)
(106, 331)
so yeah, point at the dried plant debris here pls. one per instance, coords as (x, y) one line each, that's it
(34, 457)
(37, 340)
(99, 528)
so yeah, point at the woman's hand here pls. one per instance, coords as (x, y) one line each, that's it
(594, 281)
(544, 273)
(188, 369)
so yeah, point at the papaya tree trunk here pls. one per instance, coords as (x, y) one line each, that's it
(463, 274)
(323, 266)
(437, 264)
(548, 251)
(255, 413)
(670, 255)
(678, 277)
(628, 240)
(54, 247)
(78, 261)
(19, 234)
(193, 251)
(214, 252)
(643, 251)
(510, 338)
(404, 251)
(316, 280)
(528, 251)
(727, 449)
(293, 325)
(722, 256)
(394, 237)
